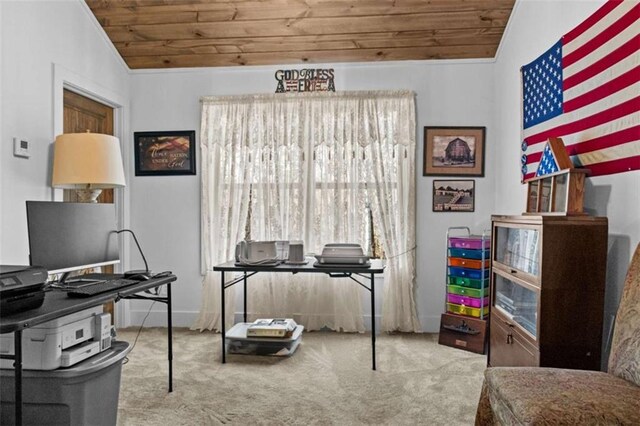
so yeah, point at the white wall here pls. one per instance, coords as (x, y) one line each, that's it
(34, 37)
(166, 210)
(533, 28)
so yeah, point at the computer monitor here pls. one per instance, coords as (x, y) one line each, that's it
(65, 237)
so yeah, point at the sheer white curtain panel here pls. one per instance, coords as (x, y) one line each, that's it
(226, 174)
(393, 205)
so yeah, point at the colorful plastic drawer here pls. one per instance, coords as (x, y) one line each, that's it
(474, 274)
(466, 310)
(466, 291)
(468, 263)
(469, 254)
(468, 282)
(471, 242)
(468, 301)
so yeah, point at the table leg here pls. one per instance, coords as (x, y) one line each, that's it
(373, 322)
(222, 329)
(244, 281)
(170, 337)
(17, 383)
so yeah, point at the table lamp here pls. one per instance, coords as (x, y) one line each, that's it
(87, 163)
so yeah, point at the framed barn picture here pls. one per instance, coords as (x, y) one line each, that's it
(165, 153)
(454, 195)
(454, 151)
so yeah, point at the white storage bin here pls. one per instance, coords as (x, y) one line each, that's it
(237, 342)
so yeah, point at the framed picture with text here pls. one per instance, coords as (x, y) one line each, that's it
(165, 153)
(453, 151)
(454, 195)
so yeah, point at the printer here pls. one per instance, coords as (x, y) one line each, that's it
(21, 288)
(61, 342)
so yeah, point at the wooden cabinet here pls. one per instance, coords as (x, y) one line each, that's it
(547, 291)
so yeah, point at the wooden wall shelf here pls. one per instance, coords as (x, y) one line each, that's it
(560, 193)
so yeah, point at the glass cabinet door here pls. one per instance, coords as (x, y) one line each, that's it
(518, 248)
(517, 303)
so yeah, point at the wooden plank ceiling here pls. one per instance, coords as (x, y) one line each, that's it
(213, 33)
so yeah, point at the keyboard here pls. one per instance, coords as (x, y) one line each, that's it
(100, 287)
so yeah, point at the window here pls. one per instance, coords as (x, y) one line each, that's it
(321, 168)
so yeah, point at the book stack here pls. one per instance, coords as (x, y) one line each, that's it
(272, 327)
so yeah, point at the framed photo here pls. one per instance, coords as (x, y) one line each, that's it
(453, 151)
(165, 153)
(454, 195)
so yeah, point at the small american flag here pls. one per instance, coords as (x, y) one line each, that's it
(547, 163)
(586, 89)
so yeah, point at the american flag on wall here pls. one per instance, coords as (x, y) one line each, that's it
(586, 90)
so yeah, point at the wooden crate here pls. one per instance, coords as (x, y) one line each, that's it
(463, 332)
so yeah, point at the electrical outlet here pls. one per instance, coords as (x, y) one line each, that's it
(21, 148)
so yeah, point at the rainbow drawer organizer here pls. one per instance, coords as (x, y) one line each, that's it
(468, 268)
(464, 324)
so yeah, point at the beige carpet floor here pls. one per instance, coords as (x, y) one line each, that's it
(327, 381)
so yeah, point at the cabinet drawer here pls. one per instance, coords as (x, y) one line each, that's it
(509, 348)
(474, 302)
(469, 253)
(467, 310)
(466, 291)
(471, 242)
(474, 274)
(468, 282)
(468, 263)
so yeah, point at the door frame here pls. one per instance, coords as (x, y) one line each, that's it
(64, 78)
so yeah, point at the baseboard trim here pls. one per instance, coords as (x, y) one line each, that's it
(158, 318)
(430, 323)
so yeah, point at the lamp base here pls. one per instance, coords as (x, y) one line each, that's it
(88, 195)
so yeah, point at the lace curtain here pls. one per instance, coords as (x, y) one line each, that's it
(304, 166)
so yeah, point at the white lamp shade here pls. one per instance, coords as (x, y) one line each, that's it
(87, 160)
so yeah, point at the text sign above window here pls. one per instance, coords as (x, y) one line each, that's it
(305, 80)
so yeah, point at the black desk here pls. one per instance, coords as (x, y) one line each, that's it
(57, 304)
(377, 267)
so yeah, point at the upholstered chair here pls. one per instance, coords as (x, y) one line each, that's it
(551, 396)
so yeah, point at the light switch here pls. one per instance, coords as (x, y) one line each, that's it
(20, 148)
